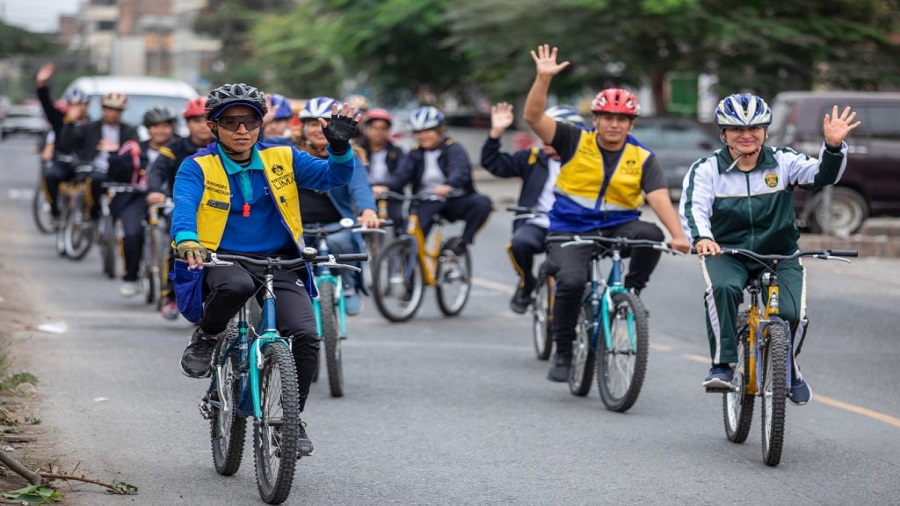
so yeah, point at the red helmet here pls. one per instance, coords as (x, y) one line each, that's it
(378, 113)
(616, 101)
(195, 107)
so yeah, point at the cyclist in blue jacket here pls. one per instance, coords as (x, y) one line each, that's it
(241, 196)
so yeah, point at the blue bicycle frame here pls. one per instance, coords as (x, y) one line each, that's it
(600, 299)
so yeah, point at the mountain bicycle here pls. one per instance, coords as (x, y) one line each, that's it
(75, 235)
(765, 357)
(410, 263)
(331, 316)
(610, 311)
(254, 375)
(157, 255)
(542, 296)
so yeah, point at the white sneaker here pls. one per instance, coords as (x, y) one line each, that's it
(129, 289)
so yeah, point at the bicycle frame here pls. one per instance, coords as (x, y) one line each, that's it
(326, 276)
(428, 259)
(600, 298)
(758, 323)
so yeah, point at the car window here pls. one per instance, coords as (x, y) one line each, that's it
(679, 136)
(649, 135)
(137, 104)
(881, 121)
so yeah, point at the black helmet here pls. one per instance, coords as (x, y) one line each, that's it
(159, 114)
(234, 94)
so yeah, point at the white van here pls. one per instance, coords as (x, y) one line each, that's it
(143, 93)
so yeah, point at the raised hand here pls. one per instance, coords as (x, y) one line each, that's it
(545, 61)
(836, 128)
(341, 128)
(501, 119)
(44, 74)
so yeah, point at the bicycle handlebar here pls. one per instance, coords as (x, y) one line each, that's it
(319, 229)
(391, 195)
(309, 256)
(525, 213)
(823, 254)
(618, 242)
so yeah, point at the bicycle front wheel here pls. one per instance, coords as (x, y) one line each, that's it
(332, 339)
(581, 374)
(227, 429)
(542, 316)
(79, 232)
(454, 281)
(109, 250)
(398, 286)
(737, 405)
(276, 434)
(774, 395)
(622, 361)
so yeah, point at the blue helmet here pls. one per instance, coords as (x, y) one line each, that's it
(425, 118)
(76, 96)
(319, 107)
(563, 114)
(743, 109)
(282, 107)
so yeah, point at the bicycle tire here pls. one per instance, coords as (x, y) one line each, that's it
(774, 395)
(79, 233)
(542, 315)
(621, 369)
(581, 374)
(227, 430)
(155, 265)
(63, 219)
(737, 406)
(453, 271)
(108, 248)
(397, 273)
(40, 211)
(332, 339)
(275, 435)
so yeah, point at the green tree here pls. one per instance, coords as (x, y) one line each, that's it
(18, 41)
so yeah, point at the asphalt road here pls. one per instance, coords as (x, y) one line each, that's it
(458, 411)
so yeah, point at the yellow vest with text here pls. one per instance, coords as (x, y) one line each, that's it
(212, 215)
(581, 178)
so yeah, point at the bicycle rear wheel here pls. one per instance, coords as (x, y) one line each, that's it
(774, 395)
(737, 405)
(542, 316)
(40, 210)
(275, 434)
(454, 281)
(622, 363)
(398, 285)
(332, 339)
(581, 374)
(227, 429)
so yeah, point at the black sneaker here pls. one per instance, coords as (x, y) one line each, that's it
(559, 371)
(520, 300)
(457, 246)
(195, 362)
(304, 445)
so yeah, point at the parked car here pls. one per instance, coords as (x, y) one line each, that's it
(28, 119)
(677, 143)
(143, 93)
(871, 184)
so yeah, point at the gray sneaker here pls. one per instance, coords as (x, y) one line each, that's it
(197, 357)
(800, 392)
(719, 377)
(559, 371)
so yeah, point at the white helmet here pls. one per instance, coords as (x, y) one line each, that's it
(425, 118)
(319, 107)
(743, 109)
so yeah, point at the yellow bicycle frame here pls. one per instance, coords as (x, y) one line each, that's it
(427, 259)
(753, 324)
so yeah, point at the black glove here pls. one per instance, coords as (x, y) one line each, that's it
(339, 132)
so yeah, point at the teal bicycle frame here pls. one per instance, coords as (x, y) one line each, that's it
(326, 276)
(600, 299)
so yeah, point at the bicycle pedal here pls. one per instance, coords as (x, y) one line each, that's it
(719, 390)
(205, 410)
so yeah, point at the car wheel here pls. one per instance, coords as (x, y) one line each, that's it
(848, 212)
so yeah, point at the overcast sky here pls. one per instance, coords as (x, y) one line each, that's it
(36, 15)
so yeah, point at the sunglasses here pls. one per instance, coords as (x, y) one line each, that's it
(232, 123)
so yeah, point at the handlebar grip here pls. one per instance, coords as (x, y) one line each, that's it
(352, 257)
(844, 253)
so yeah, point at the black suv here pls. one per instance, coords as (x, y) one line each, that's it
(871, 184)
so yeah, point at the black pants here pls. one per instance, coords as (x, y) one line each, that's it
(473, 208)
(95, 184)
(527, 241)
(230, 287)
(572, 271)
(131, 210)
(54, 175)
